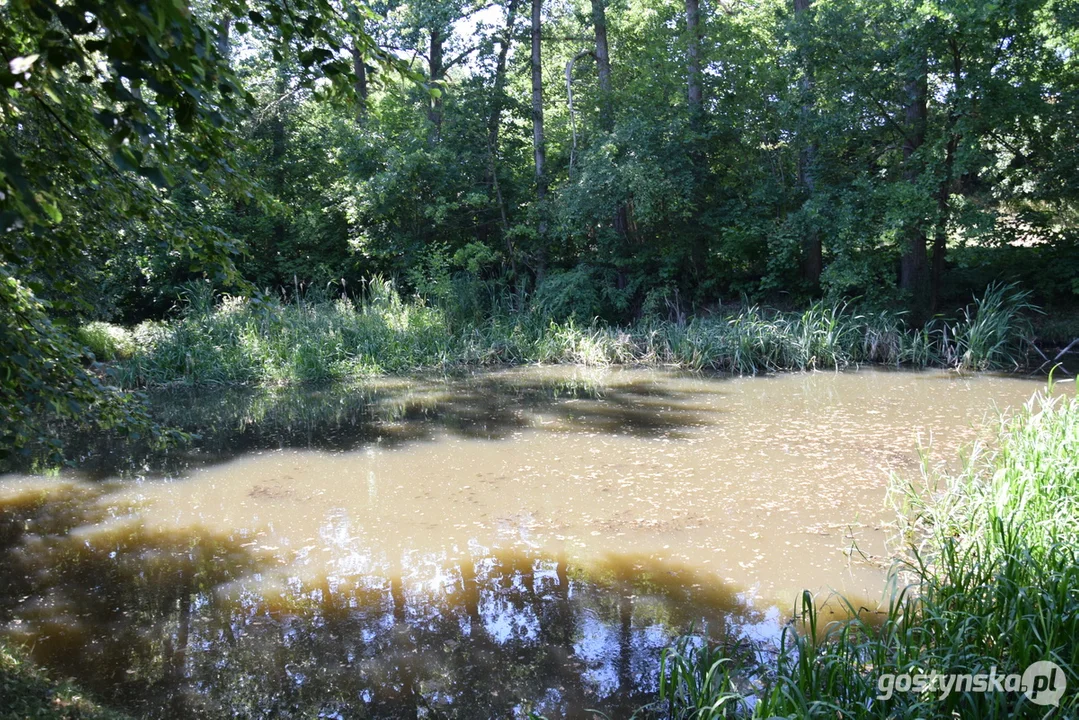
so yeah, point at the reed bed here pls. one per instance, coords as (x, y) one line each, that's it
(264, 340)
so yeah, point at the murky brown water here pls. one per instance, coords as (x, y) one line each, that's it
(523, 540)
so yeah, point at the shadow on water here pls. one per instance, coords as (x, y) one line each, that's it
(184, 624)
(232, 421)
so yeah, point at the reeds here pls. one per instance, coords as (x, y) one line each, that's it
(994, 332)
(263, 340)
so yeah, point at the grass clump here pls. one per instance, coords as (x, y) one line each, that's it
(994, 332)
(990, 585)
(262, 340)
(27, 692)
(106, 341)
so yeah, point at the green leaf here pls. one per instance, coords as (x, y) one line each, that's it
(156, 175)
(51, 210)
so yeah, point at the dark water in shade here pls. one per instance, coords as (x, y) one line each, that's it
(479, 547)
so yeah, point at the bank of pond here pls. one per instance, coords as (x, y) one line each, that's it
(262, 340)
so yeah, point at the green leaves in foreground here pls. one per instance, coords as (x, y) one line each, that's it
(45, 383)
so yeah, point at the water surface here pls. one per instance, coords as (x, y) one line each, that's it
(483, 546)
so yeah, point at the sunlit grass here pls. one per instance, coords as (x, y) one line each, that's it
(106, 341)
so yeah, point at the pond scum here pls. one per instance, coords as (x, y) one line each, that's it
(262, 340)
(990, 580)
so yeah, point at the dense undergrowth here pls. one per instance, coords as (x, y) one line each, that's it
(990, 581)
(266, 341)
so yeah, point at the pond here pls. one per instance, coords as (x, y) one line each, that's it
(490, 545)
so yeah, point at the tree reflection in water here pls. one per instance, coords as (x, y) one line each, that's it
(230, 422)
(170, 624)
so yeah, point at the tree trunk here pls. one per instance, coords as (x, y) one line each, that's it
(498, 100)
(606, 110)
(940, 234)
(915, 258)
(359, 82)
(812, 252)
(947, 183)
(437, 71)
(693, 59)
(603, 64)
(278, 148)
(494, 124)
(569, 103)
(698, 238)
(538, 145)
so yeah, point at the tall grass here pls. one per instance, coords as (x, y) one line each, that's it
(990, 580)
(262, 340)
(106, 341)
(994, 332)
